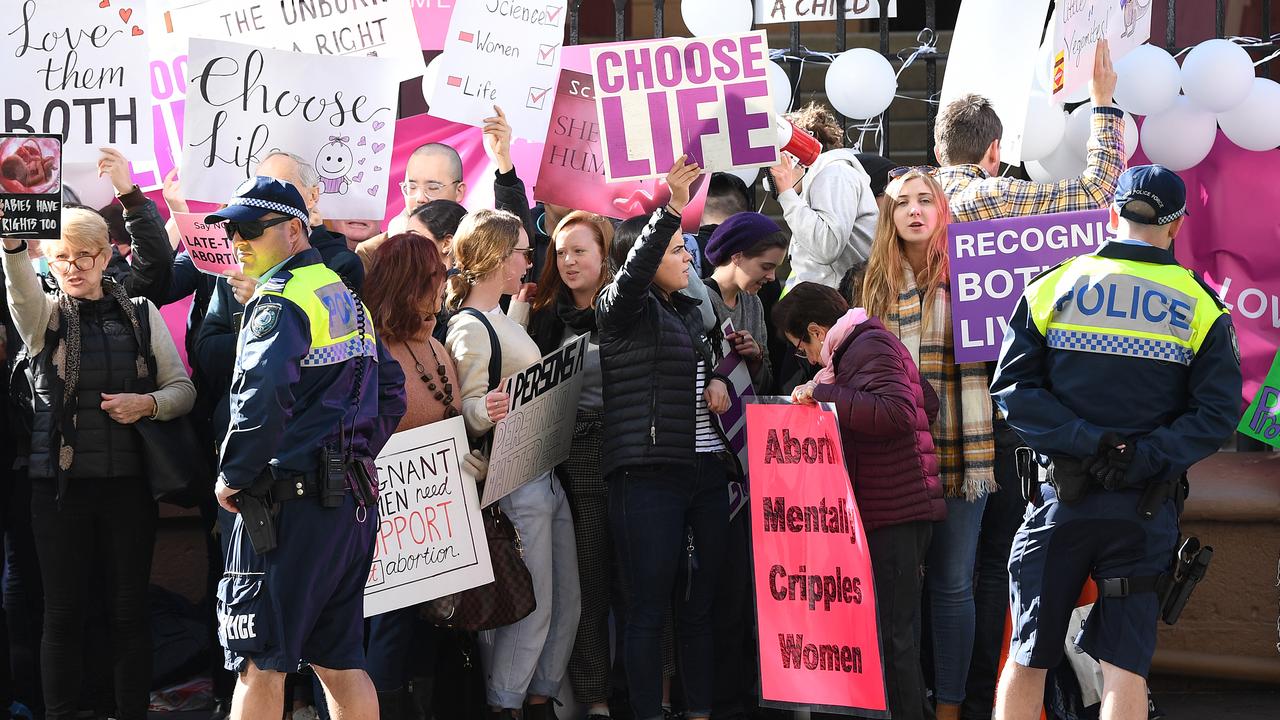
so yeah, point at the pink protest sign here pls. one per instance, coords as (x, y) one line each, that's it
(432, 19)
(815, 601)
(208, 246)
(572, 172)
(707, 98)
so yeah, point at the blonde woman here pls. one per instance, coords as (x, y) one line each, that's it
(906, 286)
(93, 374)
(525, 661)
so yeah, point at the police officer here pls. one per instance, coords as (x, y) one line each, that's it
(1120, 369)
(313, 399)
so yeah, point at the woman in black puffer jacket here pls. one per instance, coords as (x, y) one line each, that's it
(664, 455)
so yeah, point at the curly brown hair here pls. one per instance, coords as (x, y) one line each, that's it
(818, 120)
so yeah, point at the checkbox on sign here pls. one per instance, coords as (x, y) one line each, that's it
(537, 97)
(553, 14)
(466, 37)
(547, 54)
(455, 81)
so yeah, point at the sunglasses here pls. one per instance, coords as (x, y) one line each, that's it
(253, 229)
(904, 169)
(527, 252)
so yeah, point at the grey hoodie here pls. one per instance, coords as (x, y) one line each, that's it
(832, 219)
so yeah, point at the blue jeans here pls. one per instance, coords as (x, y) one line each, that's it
(950, 587)
(650, 509)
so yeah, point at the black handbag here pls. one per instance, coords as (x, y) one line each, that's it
(509, 598)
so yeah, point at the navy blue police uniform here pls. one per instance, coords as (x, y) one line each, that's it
(1121, 353)
(310, 375)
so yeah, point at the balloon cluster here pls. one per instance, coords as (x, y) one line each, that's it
(1183, 109)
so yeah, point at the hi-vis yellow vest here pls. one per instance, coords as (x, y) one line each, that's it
(1123, 307)
(331, 314)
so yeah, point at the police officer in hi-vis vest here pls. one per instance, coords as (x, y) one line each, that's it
(314, 398)
(1120, 369)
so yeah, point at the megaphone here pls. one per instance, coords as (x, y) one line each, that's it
(797, 142)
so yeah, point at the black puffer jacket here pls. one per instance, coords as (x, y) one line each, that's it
(649, 350)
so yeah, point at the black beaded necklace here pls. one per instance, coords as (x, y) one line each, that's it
(445, 397)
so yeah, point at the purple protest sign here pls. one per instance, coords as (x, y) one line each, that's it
(734, 420)
(993, 260)
(706, 97)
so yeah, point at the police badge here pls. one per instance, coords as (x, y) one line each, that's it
(264, 319)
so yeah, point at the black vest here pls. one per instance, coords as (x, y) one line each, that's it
(108, 363)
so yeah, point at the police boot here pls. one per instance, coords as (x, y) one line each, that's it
(391, 704)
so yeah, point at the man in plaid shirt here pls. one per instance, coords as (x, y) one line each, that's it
(967, 137)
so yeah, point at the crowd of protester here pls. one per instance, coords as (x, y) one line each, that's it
(641, 578)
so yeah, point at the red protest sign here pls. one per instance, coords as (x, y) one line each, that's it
(815, 601)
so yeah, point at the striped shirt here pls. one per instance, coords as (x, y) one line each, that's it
(706, 438)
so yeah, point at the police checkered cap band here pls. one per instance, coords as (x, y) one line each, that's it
(272, 206)
(1154, 201)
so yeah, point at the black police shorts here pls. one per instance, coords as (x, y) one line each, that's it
(1055, 551)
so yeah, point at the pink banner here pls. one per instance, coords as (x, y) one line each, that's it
(1230, 237)
(815, 601)
(477, 169)
(208, 246)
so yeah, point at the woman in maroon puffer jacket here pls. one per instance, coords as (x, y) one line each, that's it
(885, 410)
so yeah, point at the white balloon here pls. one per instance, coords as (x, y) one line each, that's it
(1045, 125)
(1130, 137)
(1147, 80)
(1252, 124)
(1217, 75)
(779, 87)
(706, 18)
(1180, 137)
(861, 83)
(1037, 172)
(1061, 164)
(1079, 125)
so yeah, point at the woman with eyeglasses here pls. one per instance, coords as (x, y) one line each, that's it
(906, 286)
(884, 410)
(525, 662)
(99, 363)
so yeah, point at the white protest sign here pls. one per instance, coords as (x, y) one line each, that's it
(536, 434)
(431, 539)
(1002, 77)
(207, 244)
(707, 98)
(78, 68)
(375, 28)
(789, 11)
(1125, 24)
(504, 53)
(338, 113)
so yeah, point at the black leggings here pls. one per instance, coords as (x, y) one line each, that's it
(106, 521)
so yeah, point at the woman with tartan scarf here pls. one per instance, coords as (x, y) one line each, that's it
(93, 375)
(906, 286)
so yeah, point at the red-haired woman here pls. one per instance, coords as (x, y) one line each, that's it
(403, 291)
(576, 268)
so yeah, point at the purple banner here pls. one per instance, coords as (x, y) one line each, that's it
(993, 260)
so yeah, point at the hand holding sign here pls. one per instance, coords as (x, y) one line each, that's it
(497, 140)
(1103, 85)
(679, 179)
(717, 396)
(115, 165)
(496, 403)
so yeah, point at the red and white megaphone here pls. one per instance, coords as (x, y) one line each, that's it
(799, 144)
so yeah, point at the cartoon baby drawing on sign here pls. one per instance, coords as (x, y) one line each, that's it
(1132, 10)
(333, 162)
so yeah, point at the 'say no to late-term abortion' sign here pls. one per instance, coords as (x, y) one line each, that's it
(536, 434)
(207, 244)
(815, 600)
(993, 260)
(431, 539)
(707, 98)
(78, 69)
(338, 113)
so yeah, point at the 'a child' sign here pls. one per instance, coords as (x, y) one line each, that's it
(707, 98)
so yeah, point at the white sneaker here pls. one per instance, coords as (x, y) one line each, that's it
(306, 713)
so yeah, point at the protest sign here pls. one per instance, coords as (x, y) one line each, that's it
(500, 52)
(79, 70)
(572, 173)
(536, 434)
(993, 260)
(432, 19)
(317, 27)
(31, 186)
(210, 249)
(813, 583)
(338, 113)
(734, 420)
(168, 75)
(707, 98)
(789, 11)
(1004, 78)
(431, 539)
(1080, 24)
(1262, 420)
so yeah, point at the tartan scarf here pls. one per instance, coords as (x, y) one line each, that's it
(962, 432)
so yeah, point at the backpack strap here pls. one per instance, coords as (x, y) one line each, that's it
(495, 349)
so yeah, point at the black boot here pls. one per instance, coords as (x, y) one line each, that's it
(391, 704)
(541, 711)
